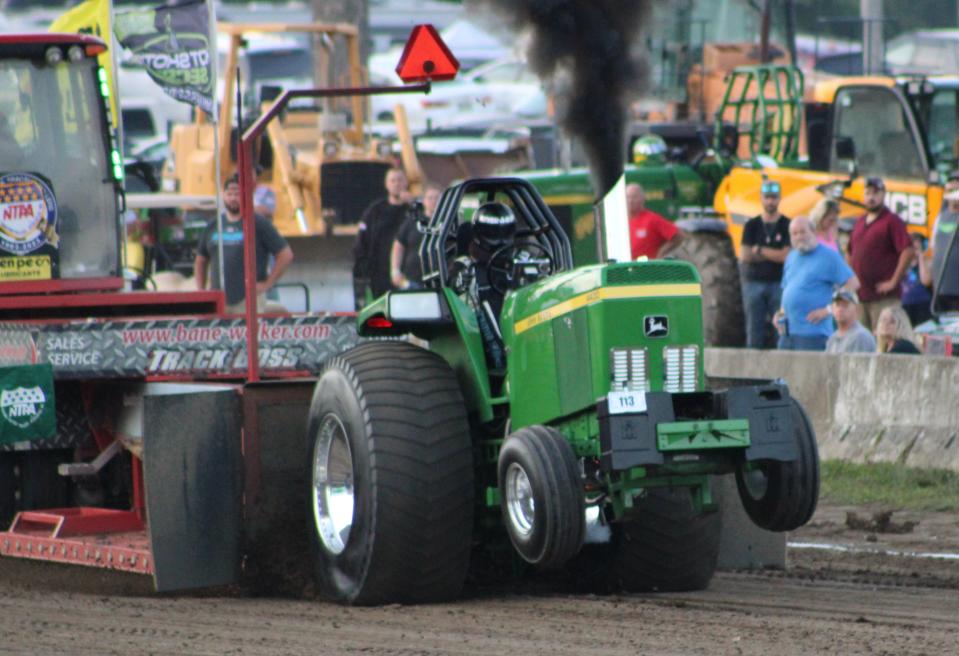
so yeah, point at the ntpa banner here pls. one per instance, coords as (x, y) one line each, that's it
(27, 405)
(173, 44)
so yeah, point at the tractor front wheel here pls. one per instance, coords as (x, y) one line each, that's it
(391, 504)
(541, 496)
(782, 496)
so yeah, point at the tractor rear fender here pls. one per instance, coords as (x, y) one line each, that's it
(442, 318)
(423, 312)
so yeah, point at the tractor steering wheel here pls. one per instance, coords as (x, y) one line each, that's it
(513, 266)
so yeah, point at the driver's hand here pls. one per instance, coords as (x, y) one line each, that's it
(460, 274)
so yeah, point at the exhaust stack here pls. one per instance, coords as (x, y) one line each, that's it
(612, 224)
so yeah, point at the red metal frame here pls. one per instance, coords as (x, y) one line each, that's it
(117, 539)
(167, 300)
(97, 537)
(60, 285)
(129, 552)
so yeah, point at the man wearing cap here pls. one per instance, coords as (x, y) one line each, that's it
(944, 227)
(811, 273)
(880, 252)
(850, 335)
(763, 251)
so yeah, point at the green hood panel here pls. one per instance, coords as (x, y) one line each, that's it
(560, 333)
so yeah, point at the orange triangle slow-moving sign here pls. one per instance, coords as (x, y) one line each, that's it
(426, 57)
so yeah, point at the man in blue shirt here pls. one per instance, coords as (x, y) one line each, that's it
(811, 273)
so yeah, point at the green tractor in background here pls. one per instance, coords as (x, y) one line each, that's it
(563, 411)
(679, 190)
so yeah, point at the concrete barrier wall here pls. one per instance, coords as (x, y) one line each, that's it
(865, 407)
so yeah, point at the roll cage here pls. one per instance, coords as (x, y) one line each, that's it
(442, 241)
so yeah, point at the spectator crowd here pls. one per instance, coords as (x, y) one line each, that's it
(804, 289)
(805, 285)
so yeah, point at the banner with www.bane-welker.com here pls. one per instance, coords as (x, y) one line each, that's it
(173, 44)
(178, 346)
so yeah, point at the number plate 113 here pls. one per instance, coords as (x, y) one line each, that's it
(626, 402)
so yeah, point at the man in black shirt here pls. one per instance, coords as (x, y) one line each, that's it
(268, 242)
(378, 227)
(406, 270)
(763, 251)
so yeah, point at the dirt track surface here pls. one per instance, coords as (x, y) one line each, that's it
(825, 603)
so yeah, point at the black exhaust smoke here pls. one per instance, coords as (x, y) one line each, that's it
(590, 53)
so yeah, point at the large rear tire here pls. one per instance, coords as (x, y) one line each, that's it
(541, 496)
(392, 477)
(667, 547)
(782, 496)
(713, 256)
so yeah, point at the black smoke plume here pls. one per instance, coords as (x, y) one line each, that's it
(589, 53)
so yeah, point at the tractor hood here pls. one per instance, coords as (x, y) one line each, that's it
(573, 338)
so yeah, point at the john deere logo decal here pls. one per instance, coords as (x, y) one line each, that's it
(655, 325)
(28, 213)
(22, 406)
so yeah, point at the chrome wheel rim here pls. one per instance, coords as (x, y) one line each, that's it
(333, 494)
(520, 505)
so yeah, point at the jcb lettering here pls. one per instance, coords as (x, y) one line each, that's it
(911, 207)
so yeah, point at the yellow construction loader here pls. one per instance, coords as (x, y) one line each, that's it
(320, 161)
(824, 141)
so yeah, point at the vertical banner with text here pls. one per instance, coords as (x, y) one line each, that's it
(173, 44)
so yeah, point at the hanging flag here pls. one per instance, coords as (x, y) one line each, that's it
(91, 17)
(173, 44)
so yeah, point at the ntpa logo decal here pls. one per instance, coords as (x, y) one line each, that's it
(656, 325)
(28, 213)
(22, 406)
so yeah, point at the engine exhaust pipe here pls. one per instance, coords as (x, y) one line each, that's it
(612, 224)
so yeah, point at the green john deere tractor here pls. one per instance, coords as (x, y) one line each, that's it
(549, 408)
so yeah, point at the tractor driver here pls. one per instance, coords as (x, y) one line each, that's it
(493, 228)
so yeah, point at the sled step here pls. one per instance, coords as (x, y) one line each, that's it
(66, 522)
